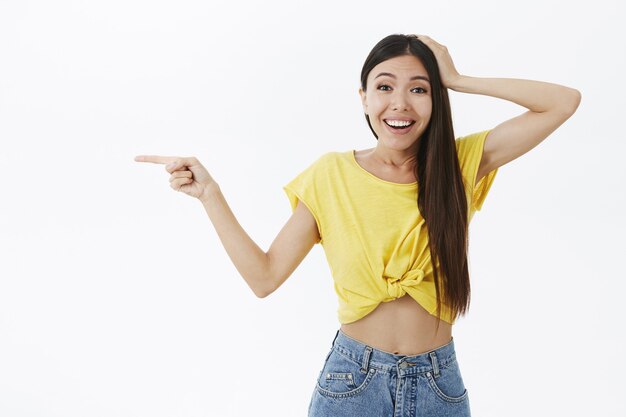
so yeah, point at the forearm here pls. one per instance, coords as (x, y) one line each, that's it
(537, 96)
(249, 259)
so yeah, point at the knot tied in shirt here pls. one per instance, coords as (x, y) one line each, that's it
(396, 286)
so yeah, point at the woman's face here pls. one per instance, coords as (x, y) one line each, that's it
(398, 90)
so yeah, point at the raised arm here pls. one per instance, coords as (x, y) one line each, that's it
(549, 106)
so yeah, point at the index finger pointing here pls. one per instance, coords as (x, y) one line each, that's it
(156, 159)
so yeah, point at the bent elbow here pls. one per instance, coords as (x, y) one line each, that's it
(262, 292)
(567, 105)
(573, 101)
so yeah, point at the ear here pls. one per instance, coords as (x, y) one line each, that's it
(362, 94)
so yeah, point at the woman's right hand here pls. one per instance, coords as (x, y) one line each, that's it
(188, 174)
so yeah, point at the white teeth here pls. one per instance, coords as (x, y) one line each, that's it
(398, 123)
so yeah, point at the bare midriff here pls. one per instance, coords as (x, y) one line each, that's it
(401, 327)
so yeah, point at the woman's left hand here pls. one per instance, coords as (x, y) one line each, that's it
(448, 73)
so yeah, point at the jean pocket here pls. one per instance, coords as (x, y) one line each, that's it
(342, 377)
(448, 384)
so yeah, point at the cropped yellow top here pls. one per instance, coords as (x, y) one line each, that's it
(372, 232)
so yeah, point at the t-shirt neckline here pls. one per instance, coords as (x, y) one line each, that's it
(352, 157)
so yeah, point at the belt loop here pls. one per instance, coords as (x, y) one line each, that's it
(366, 359)
(333, 343)
(433, 359)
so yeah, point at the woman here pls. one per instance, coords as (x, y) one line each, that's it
(385, 217)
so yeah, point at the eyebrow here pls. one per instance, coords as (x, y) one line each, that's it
(417, 77)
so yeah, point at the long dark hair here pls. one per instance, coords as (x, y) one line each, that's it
(441, 198)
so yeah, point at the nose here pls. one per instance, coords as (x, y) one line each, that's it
(399, 102)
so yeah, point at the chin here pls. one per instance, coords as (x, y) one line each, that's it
(398, 144)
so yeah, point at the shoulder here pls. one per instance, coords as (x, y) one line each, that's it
(467, 142)
(322, 164)
(329, 158)
(330, 155)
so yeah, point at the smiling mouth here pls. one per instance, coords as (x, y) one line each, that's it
(396, 124)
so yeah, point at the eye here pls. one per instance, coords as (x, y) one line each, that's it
(385, 87)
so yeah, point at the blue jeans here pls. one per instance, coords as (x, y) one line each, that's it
(360, 381)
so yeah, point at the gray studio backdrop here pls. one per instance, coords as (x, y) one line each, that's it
(116, 295)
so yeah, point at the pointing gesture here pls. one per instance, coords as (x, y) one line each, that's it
(188, 174)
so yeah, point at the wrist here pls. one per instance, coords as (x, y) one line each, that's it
(458, 83)
(209, 192)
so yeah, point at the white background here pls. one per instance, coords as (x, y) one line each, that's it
(116, 295)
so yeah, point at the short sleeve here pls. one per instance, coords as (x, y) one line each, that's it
(306, 187)
(470, 152)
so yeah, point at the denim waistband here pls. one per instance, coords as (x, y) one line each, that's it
(368, 356)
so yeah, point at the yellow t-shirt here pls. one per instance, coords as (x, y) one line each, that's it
(372, 232)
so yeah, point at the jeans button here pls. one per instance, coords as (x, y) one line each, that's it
(403, 365)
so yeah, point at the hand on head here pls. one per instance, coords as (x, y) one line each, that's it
(447, 71)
